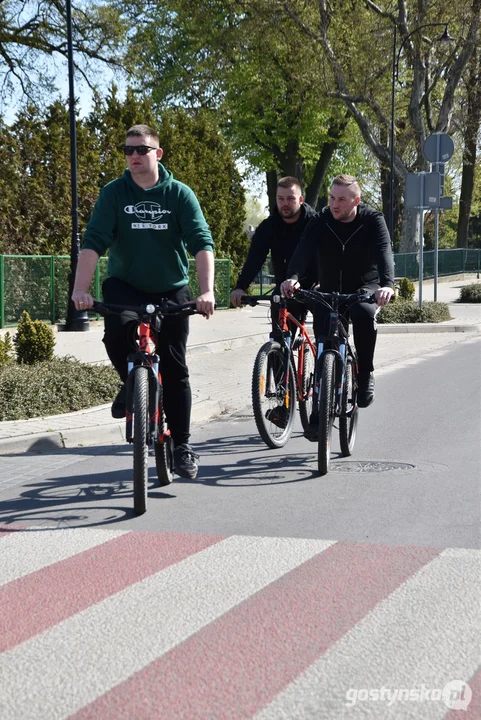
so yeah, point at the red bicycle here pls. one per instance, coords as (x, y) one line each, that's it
(146, 424)
(283, 376)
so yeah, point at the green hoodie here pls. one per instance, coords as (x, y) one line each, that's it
(148, 232)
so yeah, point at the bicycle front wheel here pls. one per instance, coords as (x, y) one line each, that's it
(349, 410)
(164, 450)
(326, 411)
(273, 403)
(141, 450)
(307, 386)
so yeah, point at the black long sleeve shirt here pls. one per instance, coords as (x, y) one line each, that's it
(346, 255)
(278, 238)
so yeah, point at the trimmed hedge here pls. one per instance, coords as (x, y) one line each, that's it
(471, 293)
(408, 311)
(53, 387)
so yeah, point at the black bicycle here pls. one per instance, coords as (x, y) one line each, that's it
(336, 377)
(145, 418)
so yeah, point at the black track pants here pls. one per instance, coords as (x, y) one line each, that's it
(171, 347)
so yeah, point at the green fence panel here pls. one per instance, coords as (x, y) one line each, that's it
(451, 262)
(26, 287)
(400, 265)
(39, 284)
(472, 260)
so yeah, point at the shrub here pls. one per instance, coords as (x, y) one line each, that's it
(6, 350)
(53, 387)
(406, 289)
(408, 311)
(471, 293)
(34, 340)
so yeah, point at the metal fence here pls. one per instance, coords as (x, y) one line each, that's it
(39, 284)
(450, 262)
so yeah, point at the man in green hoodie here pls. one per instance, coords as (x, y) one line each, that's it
(148, 221)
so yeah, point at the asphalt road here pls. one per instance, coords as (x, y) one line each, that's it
(260, 590)
(413, 477)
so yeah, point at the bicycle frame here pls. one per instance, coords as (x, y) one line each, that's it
(337, 338)
(337, 341)
(284, 317)
(144, 356)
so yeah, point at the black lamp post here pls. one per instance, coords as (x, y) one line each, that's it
(445, 37)
(76, 320)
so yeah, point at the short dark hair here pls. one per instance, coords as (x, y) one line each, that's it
(142, 131)
(289, 181)
(347, 181)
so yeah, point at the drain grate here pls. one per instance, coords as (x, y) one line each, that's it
(372, 466)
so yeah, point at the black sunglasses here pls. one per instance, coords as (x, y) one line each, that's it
(139, 149)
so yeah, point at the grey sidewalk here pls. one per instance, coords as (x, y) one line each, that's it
(221, 354)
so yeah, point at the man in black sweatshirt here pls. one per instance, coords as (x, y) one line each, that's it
(279, 235)
(348, 243)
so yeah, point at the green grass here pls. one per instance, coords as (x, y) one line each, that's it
(256, 289)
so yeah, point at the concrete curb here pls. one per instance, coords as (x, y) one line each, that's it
(75, 437)
(387, 328)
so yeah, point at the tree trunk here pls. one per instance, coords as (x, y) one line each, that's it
(410, 237)
(313, 190)
(271, 180)
(473, 89)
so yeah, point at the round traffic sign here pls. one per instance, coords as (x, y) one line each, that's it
(438, 148)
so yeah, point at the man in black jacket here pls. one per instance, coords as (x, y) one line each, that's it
(279, 235)
(349, 245)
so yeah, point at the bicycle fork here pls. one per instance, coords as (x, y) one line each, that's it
(340, 376)
(153, 399)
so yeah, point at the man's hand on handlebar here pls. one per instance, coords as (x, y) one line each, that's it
(288, 287)
(383, 295)
(82, 300)
(205, 303)
(236, 297)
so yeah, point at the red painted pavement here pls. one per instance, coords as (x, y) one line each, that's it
(32, 604)
(239, 663)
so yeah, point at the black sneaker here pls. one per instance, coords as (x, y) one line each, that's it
(312, 431)
(365, 389)
(118, 406)
(185, 462)
(278, 416)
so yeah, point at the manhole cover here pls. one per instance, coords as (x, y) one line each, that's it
(371, 466)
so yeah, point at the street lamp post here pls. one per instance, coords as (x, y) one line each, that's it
(395, 70)
(76, 320)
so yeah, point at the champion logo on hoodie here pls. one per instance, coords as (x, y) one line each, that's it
(147, 210)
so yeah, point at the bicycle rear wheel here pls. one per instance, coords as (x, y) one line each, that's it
(164, 450)
(274, 404)
(141, 450)
(307, 386)
(349, 410)
(326, 411)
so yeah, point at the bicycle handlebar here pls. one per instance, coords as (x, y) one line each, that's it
(322, 297)
(167, 308)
